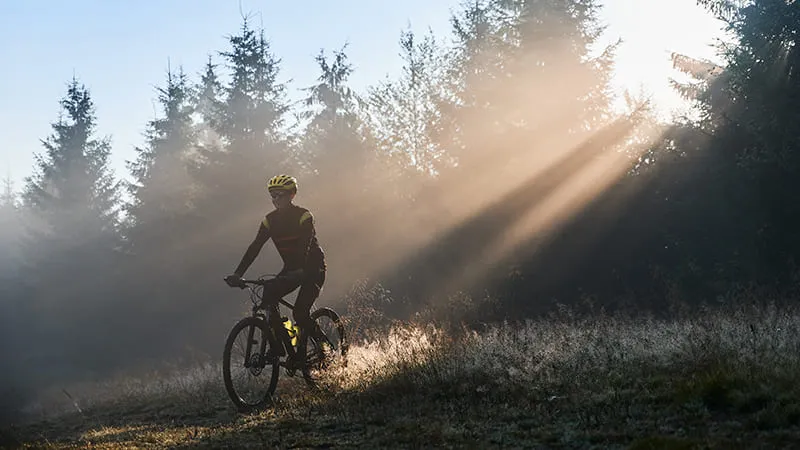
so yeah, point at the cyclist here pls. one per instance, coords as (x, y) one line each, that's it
(291, 228)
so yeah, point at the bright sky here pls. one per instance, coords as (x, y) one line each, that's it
(121, 53)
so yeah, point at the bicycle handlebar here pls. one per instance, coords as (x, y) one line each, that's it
(261, 281)
(256, 282)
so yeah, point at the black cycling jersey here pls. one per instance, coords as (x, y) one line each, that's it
(292, 231)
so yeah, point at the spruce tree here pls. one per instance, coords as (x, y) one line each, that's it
(404, 113)
(333, 141)
(207, 98)
(751, 110)
(160, 220)
(71, 248)
(14, 312)
(10, 221)
(10, 233)
(161, 189)
(8, 198)
(250, 126)
(73, 195)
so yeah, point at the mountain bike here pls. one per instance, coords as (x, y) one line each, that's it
(267, 341)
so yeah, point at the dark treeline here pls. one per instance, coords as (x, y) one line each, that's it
(494, 164)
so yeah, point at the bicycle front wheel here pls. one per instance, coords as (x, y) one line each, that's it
(250, 370)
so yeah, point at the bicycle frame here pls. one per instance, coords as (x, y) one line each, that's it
(279, 338)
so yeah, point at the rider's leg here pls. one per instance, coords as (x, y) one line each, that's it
(275, 289)
(309, 291)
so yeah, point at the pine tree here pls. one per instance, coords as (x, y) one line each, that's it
(255, 102)
(8, 198)
(474, 76)
(161, 212)
(10, 227)
(404, 112)
(73, 193)
(556, 42)
(333, 140)
(208, 103)
(752, 112)
(71, 249)
(13, 307)
(525, 69)
(249, 125)
(161, 185)
(337, 151)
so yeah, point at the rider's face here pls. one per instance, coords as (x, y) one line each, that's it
(281, 199)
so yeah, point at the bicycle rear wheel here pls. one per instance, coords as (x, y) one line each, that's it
(326, 344)
(250, 370)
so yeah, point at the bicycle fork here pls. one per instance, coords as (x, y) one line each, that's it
(248, 354)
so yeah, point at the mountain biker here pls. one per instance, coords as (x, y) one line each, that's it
(291, 228)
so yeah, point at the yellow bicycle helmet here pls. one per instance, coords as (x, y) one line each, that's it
(282, 183)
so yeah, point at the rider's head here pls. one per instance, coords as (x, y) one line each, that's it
(282, 189)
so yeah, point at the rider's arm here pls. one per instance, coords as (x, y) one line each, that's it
(254, 248)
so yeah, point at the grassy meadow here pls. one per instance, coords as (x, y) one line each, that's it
(721, 378)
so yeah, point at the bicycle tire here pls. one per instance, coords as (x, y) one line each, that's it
(342, 340)
(238, 401)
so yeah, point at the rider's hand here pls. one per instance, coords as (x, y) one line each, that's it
(235, 281)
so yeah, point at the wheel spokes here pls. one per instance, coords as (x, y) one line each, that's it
(324, 343)
(250, 371)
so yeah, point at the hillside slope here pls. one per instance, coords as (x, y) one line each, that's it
(720, 380)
